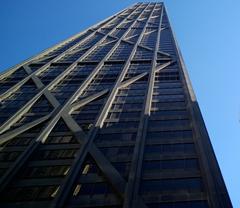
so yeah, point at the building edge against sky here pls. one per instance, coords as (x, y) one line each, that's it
(95, 113)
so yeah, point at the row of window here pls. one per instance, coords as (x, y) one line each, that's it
(34, 169)
(167, 76)
(186, 204)
(72, 56)
(12, 79)
(166, 42)
(119, 114)
(86, 116)
(169, 114)
(104, 79)
(149, 38)
(143, 54)
(188, 185)
(124, 115)
(160, 165)
(169, 149)
(118, 32)
(51, 73)
(122, 52)
(112, 138)
(169, 124)
(69, 44)
(16, 100)
(45, 171)
(101, 51)
(41, 108)
(36, 193)
(87, 191)
(7, 156)
(70, 83)
(133, 34)
(137, 68)
(89, 42)
(154, 136)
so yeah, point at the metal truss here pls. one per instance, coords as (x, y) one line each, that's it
(63, 112)
(126, 190)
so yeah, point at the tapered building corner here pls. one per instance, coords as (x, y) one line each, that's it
(107, 118)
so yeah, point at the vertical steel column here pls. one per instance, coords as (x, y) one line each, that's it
(218, 196)
(135, 172)
(28, 105)
(66, 188)
(44, 52)
(42, 137)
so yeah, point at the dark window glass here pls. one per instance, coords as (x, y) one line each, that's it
(189, 184)
(170, 164)
(187, 204)
(168, 135)
(169, 149)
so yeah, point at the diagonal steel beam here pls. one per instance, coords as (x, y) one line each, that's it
(44, 134)
(29, 104)
(132, 80)
(132, 192)
(66, 187)
(44, 67)
(118, 83)
(87, 100)
(11, 134)
(44, 52)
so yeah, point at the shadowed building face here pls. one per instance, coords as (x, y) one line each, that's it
(107, 118)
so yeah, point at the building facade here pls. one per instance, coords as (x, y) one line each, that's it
(107, 118)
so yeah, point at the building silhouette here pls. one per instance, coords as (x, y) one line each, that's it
(107, 118)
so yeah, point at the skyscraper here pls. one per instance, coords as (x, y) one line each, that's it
(107, 118)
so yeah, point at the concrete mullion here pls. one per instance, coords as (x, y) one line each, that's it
(135, 172)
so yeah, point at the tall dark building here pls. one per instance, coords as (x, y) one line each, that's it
(107, 118)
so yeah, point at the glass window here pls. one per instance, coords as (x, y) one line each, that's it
(188, 184)
(41, 172)
(169, 123)
(115, 137)
(187, 164)
(169, 149)
(186, 204)
(159, 135)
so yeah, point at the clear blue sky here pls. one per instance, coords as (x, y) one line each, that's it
(208, 32)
